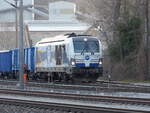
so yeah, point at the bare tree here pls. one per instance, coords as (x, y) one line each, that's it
(147, 39)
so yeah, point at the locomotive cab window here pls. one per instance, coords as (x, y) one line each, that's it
(82, 45)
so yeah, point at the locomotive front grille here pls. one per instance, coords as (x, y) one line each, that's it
(79, 60)
(82, 60)
(87, 70)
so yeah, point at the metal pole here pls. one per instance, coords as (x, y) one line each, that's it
(16, 3)
(21, 47)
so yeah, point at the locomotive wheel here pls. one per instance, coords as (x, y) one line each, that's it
(59, 77)
(72, 80)
(66, 78)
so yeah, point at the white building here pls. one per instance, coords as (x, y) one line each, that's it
(61, 18)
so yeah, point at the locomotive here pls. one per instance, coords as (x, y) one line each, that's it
(62, 58)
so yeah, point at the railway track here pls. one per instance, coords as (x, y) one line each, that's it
(79, 102)
(67, 107)
(112, 99)
(98, 87)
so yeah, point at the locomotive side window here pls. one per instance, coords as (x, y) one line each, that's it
(90, 45)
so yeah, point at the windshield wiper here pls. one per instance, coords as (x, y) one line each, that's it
(83, 49)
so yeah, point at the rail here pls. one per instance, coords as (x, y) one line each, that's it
(66, 107)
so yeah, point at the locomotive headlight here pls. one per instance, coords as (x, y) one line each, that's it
(85, 39)
(100, 62)
(73, 62)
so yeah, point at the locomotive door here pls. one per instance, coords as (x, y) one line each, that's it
(58, 55)
(64, 54)
(61, 55)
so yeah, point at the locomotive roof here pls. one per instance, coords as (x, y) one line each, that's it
(1, 51)
(52, 39)
(60, 38)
